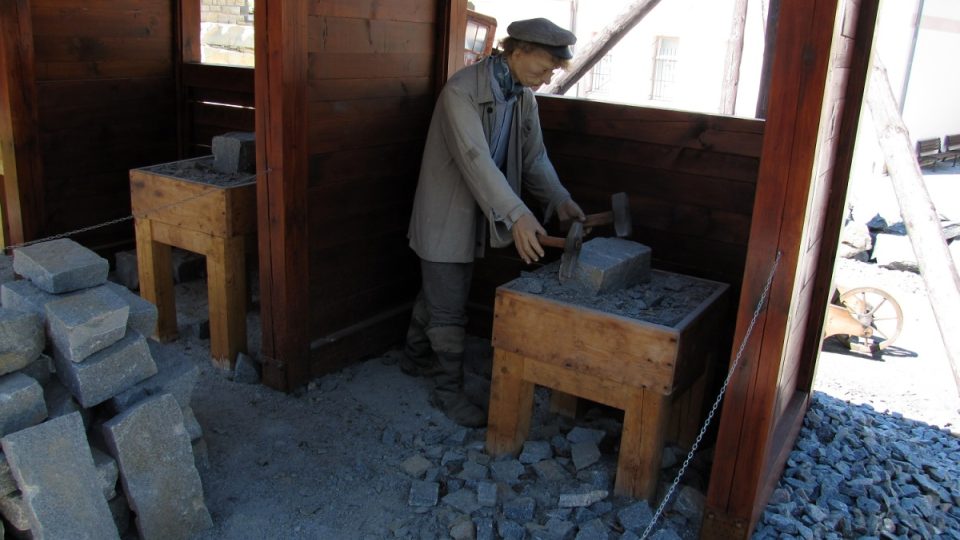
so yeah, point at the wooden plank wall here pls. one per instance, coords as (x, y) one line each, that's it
(819, 71)
(106, 101)
(218, 99)
(369, 100)
(690, 178)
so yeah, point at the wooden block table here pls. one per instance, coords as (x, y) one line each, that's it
(205, 217)
(635, 366)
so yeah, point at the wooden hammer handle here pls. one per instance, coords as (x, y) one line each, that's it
(551, 241)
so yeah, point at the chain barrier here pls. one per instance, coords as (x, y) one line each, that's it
(716, 403)
(111, 222)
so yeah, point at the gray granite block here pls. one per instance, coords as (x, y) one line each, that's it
(580, 434)
(15, 511)
(176, 375)
(534, 451)
(60, 266)
(7, 483)
(234, 152)
(191, 424)
(125, 269)
(22, 295)
(56, 474)
(610, 264)
(21, 403)
(584, 454)
(21, 339)
(572, 500)
(86, 322)
(107, 472)
(157, 469)
(143, 314)
(40, 369)
(60, 402)
(463, 500)
(109, 372)
(423, 493)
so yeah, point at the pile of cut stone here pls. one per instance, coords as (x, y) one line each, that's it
(85, 399)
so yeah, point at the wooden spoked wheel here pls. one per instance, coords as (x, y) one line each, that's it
(877, 312)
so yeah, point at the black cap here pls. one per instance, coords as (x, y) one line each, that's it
(543, 32)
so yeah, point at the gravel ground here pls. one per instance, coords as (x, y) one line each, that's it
(360, 454)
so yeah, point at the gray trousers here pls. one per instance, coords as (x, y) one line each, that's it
(445, 289)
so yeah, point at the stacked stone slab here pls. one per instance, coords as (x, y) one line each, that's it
(87, 404)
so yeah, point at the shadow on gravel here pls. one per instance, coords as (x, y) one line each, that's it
(838, 345)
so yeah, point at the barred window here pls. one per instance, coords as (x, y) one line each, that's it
(664, 68)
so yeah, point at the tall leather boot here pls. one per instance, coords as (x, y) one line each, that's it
(448, 395)
(418, 359)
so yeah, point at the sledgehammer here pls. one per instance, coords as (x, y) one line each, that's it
(619, 215)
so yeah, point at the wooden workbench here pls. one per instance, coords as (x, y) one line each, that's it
(635, 366)
(209, 219)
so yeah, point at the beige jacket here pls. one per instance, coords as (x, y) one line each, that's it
(459, 183)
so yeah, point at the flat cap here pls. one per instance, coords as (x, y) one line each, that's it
(543, 32)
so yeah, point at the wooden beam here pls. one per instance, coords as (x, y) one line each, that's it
(731, 66)
(739, 478)
(919, 214)
(22, 198)
(605, 40)
(836, 211)
(451, 32)
(281, 81)
(769, 43)
(187, 32)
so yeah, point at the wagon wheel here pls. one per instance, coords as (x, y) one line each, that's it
(878, 313)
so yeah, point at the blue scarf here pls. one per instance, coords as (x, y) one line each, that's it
(508, 85)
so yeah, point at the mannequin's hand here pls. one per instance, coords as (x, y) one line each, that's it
(570, 211)
(525, 231)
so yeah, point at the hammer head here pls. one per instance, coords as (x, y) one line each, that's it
(571, 251)
(622, 221)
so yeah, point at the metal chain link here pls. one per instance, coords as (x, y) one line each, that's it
(111, 222)
(716, 403)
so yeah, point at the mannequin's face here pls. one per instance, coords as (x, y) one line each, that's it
(532, 68)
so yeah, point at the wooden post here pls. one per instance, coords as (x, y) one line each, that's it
(919, 214)
(22, 198)
(731, 67)
(281, 126)
(599, 46)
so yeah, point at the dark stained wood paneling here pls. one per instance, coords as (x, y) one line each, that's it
(216, 100)
(370, 98)
(376, 10)
(373, 66)
(106, 101)
(360, 36)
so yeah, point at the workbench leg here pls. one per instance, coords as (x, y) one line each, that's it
(227, 295)
(511, 405)
(641, 444)
(156, 279)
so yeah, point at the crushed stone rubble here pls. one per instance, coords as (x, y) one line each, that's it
(665, 299)
(545, 492)
(855, 472)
